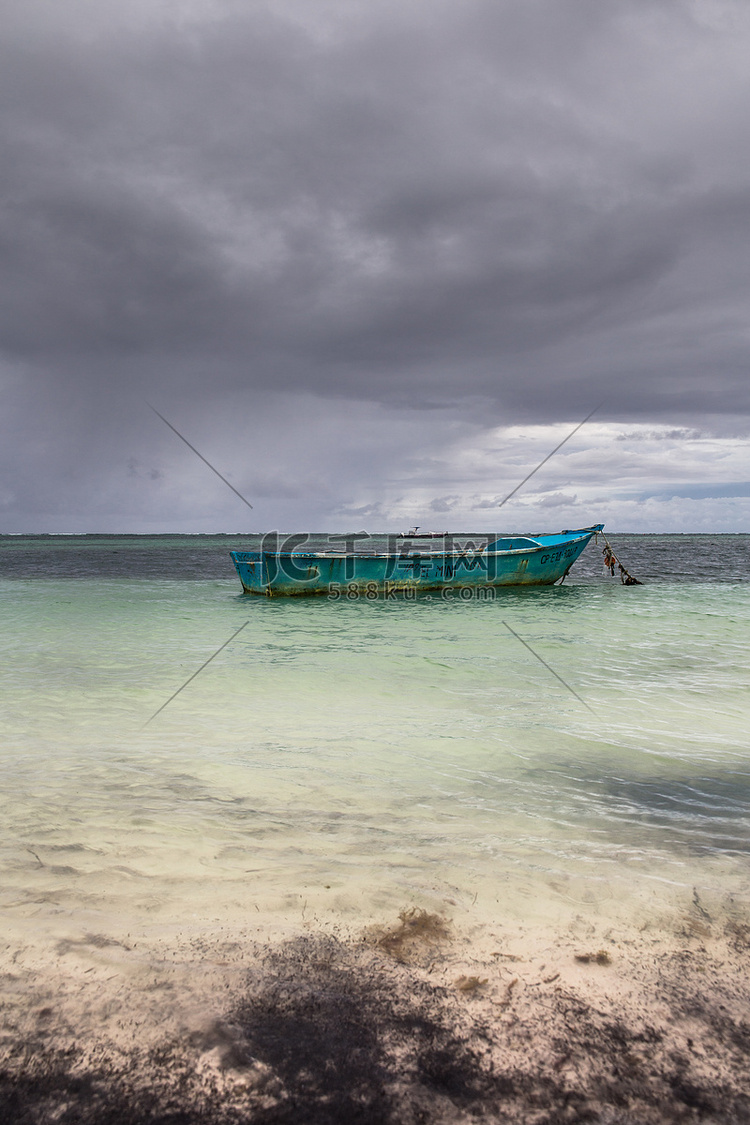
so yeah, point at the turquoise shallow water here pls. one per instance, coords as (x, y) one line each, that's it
(342, 760)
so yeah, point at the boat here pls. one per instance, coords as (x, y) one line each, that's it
(415, 533)
(359, 564)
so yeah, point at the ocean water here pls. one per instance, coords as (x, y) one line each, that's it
(339, 762)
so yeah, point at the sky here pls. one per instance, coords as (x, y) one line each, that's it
(374, 259)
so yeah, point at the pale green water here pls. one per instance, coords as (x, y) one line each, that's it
(345, 760)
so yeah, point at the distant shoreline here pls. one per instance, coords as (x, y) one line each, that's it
(378, 534)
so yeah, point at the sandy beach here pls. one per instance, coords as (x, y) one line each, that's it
(428, 1018)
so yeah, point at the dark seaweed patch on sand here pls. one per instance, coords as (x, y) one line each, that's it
(416, 933)
(325, 1032)
(347, 1038)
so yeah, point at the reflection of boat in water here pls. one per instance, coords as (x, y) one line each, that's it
(373, 564)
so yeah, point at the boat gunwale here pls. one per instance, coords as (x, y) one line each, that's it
(461, 553)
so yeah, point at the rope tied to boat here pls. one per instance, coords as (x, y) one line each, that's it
(611, 561)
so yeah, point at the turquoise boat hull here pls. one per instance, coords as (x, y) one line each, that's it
(354, 565)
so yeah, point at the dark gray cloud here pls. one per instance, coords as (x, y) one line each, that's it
(500, 210)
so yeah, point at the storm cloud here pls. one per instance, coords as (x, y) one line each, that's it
(337, 240)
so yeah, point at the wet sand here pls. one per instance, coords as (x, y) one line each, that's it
(425, 1018)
